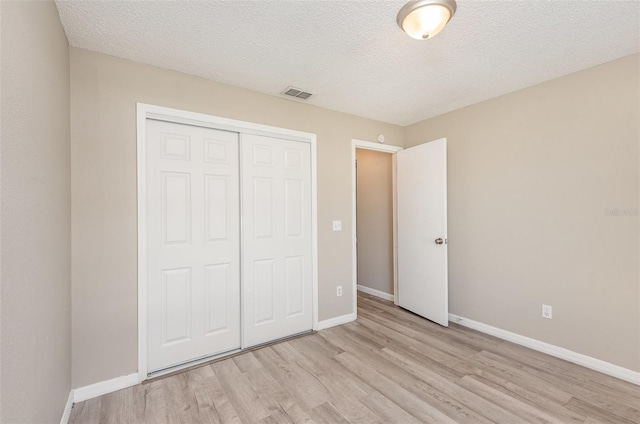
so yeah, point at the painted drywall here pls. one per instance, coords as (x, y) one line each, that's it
(543, 208)
(104, 92)
(375, 219)
(35, 214)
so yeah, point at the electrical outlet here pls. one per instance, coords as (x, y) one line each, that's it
(339, 291)
(547, 311)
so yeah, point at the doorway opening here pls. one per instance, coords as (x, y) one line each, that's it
(374, 223)
(420, 253)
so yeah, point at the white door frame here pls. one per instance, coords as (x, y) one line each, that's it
(146, 111)
(367, 145)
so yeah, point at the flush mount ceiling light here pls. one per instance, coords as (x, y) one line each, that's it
(422, 19)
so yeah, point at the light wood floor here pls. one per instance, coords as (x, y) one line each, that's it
(389, 366)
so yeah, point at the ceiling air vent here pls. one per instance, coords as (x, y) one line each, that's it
(297, 93)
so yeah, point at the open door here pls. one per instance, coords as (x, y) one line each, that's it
(423, 284)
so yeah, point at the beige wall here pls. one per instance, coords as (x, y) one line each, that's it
(104, 92)
(35, 212)
(375, 219)
(531, 175)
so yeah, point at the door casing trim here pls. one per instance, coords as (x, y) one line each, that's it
(367, 145)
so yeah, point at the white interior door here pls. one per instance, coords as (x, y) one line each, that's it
(422, 230)
(193, 243)
(276, 238)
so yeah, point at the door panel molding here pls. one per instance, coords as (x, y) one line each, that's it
(276, 258)
(193, 224)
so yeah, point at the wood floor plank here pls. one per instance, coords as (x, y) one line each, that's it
(129, 405)
(454, 334)
(619, 392)
(393, 391)
(299, 383)
(597, 412)
(181, 403)
(246, 362)
(615, 383)
(278, 417)
(449, 406)
(86, 412)
(327, 413)
(298, 416)
(522, 410)
(389, 366)
(354, 411)
(536, 400)
(221, 402)
(591, 420)
(565, 370)
(249, 405)
(452, 349)
(454, 390)
(387, 410)
(516, 374)
(205, 387)
(336, 378)
(571, 387)
(344, 387)
(436, 359)
(320, 345)
(154, 403)
(263, 382)
(206, 408)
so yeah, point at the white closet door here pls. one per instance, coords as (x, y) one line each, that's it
(276, 228)
(193, 243)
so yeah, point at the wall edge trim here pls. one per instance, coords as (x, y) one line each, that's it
(103, 387)
(377, 293)
(332, 322)
(552, 350)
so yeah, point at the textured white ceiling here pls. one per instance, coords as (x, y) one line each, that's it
(352, 55)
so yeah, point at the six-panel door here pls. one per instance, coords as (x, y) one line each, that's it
(193, 243)
(276, 238)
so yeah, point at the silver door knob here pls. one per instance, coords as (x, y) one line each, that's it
(439, 241)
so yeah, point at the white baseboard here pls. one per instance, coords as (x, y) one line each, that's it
(332, 322)
(374, 292)
(66, 414)
(559, 352)
(104, 387)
